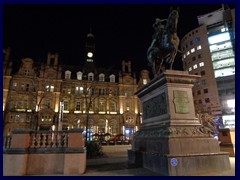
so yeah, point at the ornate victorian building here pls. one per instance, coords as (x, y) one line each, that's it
(47, 95)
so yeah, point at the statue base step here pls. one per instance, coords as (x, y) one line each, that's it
(180, 164)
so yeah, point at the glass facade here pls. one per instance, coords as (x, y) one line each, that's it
(221, 46)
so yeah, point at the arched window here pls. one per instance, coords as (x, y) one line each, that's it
(67, 74)
(90, 76)
(79, 75)
(112, 78)
(101, 77)
(102, 106)
(113, 106)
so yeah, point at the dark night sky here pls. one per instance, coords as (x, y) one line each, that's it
(122, 32)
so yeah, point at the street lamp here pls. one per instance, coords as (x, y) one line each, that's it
(60, 116)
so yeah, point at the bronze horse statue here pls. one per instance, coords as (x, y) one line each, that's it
(164, 46)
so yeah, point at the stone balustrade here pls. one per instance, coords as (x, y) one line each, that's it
(44, 152)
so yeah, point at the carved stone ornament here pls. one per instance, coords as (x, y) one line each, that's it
(195, 131)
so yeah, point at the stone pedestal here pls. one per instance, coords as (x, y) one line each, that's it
(171, 140)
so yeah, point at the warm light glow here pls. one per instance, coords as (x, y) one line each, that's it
(56, 106)
(90, 54)
(144, 81)
(53, 127)
(121, 110)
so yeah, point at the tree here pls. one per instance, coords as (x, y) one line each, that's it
(89, 95)
(42, 88)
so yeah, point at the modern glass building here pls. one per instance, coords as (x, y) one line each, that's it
(209, 51)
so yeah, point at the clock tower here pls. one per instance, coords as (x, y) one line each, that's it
(90, 53)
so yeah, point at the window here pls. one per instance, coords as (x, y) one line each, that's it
(25, 104)
(67, 74)
(204, 81)
(188, 53)
(101, 77)
(77, 90)
(90, 76)
(101, 106)
(113, 106)
(79, 75)
(65, 105)
(22, 87)
(195, 66)
(197, 39)
(50, 88)
(190, 69)
(207, 100)
(219, 38)
(47, 103)
(26, 72)
(199, 92)
(197, 83)
(144, 81)
(205, 91)
(199, 47)
(201, 64)
(202, 73)
(112, 78)
(19, 104)
(27, 87)
(199, 56)
(14, 86)
(78, 106)
(193, 58)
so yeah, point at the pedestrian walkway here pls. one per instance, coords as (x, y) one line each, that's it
(114, 163)
(119, 167)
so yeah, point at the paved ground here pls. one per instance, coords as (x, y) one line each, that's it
(114, 163)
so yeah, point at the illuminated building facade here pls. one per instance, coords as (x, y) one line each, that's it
(209, 51)
(39, 96)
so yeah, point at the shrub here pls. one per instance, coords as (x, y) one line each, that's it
(94, 149)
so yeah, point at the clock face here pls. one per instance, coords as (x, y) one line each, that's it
(90, 54)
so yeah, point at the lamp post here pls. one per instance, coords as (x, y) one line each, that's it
(60, 116)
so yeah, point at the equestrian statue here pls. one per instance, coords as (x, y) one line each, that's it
(164, 46)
